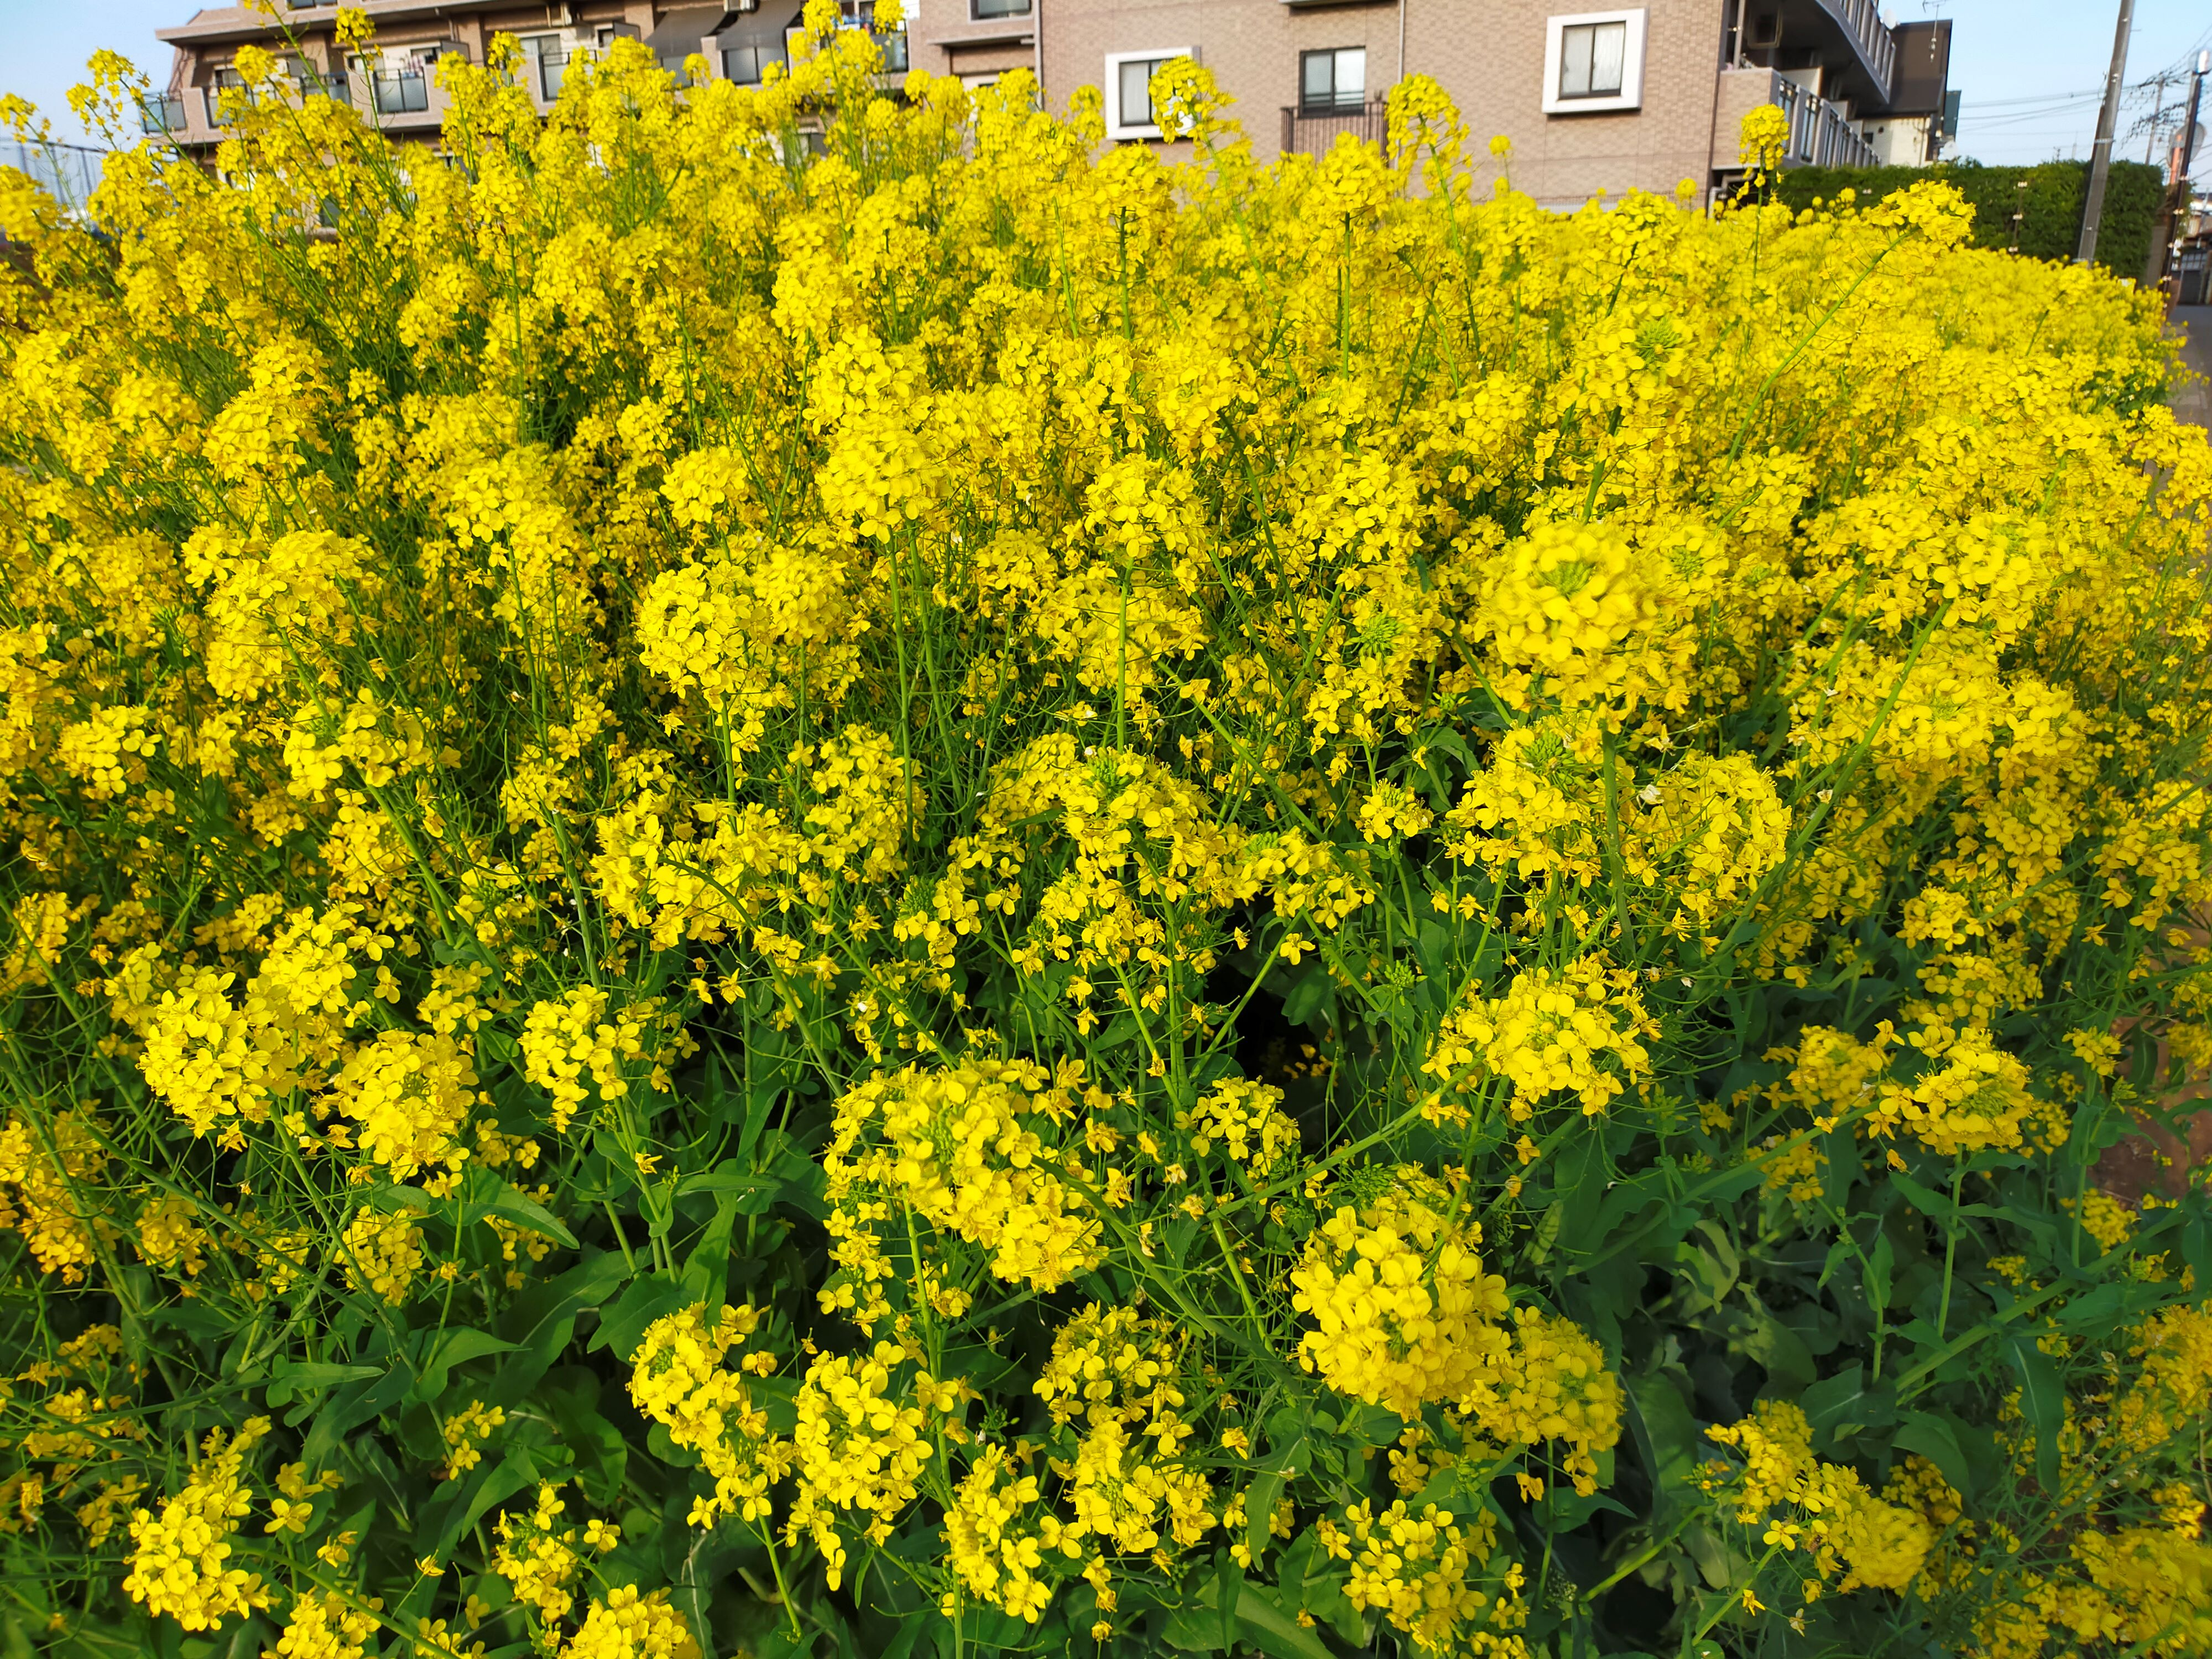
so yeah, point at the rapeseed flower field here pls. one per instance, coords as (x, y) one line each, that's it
(800, 871)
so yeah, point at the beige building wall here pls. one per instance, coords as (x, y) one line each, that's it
(1488, 55)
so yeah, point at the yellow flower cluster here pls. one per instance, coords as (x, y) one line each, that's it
(322, 1626)
(677, 1379)
(1823, 1509)
(47, 1168)
(1100, 823)
(1578, 1029)
(541, 1559)
(383, 1252)
(1575, 609)
(857, 1448)
(179, 1559)
(411, 1095)
(1248, 1119)
(578, 1036)
(995, 1541)
(631, 1626)
(465, 1433)
(1414, 1569)
(1403, 1311)
(957, 1147)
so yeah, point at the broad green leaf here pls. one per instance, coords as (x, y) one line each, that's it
(2042, 1402)
(1932, 1437)
(447, 1349)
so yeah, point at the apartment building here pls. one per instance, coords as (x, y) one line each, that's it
(396, 80)
(1627, 97)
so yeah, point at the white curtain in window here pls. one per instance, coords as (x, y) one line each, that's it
(1352, 76)
(1136, 93)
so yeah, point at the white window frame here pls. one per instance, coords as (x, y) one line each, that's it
(1115, 127)
(1631, 95)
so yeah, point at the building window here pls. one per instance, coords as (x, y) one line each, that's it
(547, 55)
(1332, 80)
(747, 65)
(1593, 62)
(1129, 90)
(1590, 59)
(982, 10)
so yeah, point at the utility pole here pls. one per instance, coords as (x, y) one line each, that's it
(2108, 117)
(2157, 114)
(2177, 188)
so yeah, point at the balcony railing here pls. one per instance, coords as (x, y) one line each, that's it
(1313, 130)
(1862, 21)
(400, 92)
(337, 84)
(163, 113)
(550, 68)
(1819, 137)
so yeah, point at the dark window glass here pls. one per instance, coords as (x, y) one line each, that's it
(1332, 80)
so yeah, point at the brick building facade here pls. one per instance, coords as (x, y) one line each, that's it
(1604, 99)
(1678, 74)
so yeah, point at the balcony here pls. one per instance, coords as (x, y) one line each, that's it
(1819, 137)
(1312, 130)
(1861, 22)
(161, 114)
(400, 92)
(310, 84)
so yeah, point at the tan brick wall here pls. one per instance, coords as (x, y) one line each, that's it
(944, 40)
(1488, 57)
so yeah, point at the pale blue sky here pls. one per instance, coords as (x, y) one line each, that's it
(2018, 62)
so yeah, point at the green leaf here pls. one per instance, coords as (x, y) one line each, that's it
(707, 1268)
(1790, 1369)
(2042, 1402)
(1667, 1439)
(1258, 1615)
(1880, 1263)
(1309, 1580)
(542, 1318)
(751, 1192)
(1838, 1406)
(354, 1405)
(1268, 1481)
(623, 1326)
(447, 1349)
(1932, 1437)
(483, 1489)
(294, 1380)
(1272, 1628)
(1303, 997)
(518, 1207)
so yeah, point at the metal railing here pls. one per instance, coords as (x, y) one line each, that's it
(1312, 132)
(400, 92)
(68, 172)
(1877, 48)
(312, 84)
(1819, 135)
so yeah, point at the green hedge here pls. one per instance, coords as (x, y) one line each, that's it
(2052, 203)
